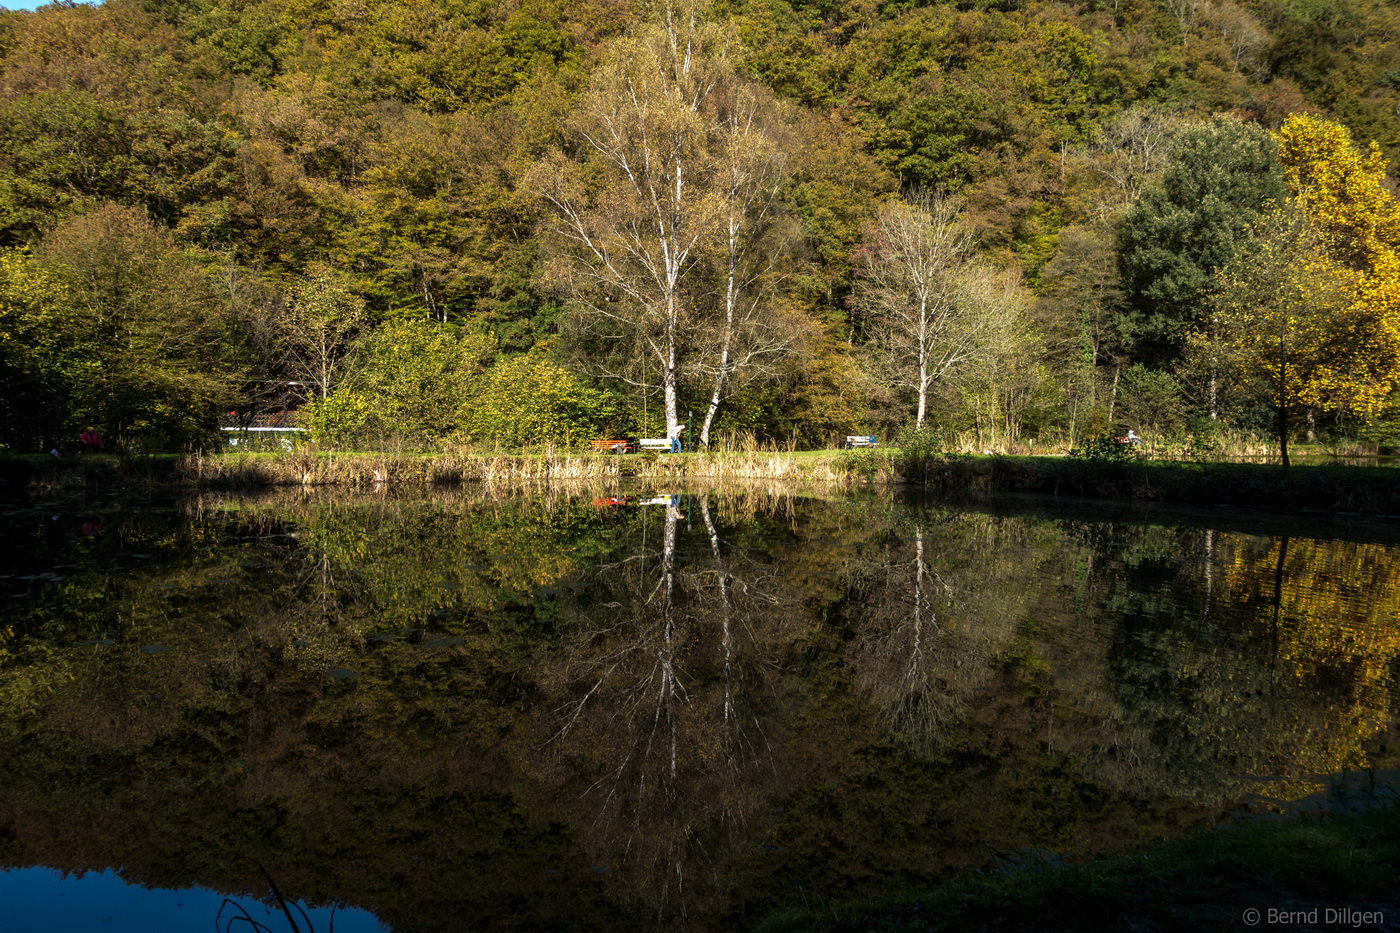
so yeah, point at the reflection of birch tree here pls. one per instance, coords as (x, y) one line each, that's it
(656, 725)
(932, 624)
(725, 593)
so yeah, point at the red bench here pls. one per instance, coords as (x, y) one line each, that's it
(616, 447)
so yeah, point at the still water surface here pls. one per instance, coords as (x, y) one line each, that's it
(662, 708)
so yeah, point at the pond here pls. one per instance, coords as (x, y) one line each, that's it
(656, 708)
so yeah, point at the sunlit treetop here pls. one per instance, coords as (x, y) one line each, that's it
(1342, 191)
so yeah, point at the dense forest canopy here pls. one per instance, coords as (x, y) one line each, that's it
(534, 221)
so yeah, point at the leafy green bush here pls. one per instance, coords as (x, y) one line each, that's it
(1104, 448)
(921, 443)
(409, 382)
(865, 462)
(921, 450)
(1203, 443)
(531, 400)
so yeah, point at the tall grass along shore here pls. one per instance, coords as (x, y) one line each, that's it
(1371, 490)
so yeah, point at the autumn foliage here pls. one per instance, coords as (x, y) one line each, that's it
(679, 205)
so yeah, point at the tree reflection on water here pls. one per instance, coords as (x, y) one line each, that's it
(654, 709)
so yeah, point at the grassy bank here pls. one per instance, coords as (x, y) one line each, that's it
(1207, 882)
(1364, 490)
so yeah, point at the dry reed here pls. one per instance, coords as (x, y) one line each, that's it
(312, 468)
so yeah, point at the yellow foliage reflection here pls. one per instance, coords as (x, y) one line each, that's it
(1332, 614)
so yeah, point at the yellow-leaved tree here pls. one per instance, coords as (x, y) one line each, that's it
(1341, 191)
(1311, 320)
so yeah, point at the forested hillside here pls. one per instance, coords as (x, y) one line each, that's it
(522, 221)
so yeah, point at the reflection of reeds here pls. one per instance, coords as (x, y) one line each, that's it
(736, 500)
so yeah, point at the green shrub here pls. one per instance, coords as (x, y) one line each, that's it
(921, 452)
(865, 462)
(409, 382)
(531, 400)
(1203, 443)
(921, 443)
(1104, 448)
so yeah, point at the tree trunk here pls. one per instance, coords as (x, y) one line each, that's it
(668, 386)
(923, 389)
(710, 416)
(731, 299)
(923, 362)
(1278, 605)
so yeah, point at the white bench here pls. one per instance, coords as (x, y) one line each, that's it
(663, 445)
(859, 440)
(283, 434)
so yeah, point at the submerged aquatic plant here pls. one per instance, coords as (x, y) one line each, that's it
(240, 920)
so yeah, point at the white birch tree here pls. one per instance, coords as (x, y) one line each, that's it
(749, 330)
(668, 180)
(922, 288)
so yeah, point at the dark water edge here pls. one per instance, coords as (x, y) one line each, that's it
(1319, 487)
(1309, 874)
(444, 706)
(1348, 489)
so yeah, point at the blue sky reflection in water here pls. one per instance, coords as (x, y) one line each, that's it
(35, 899)
(623, 710)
